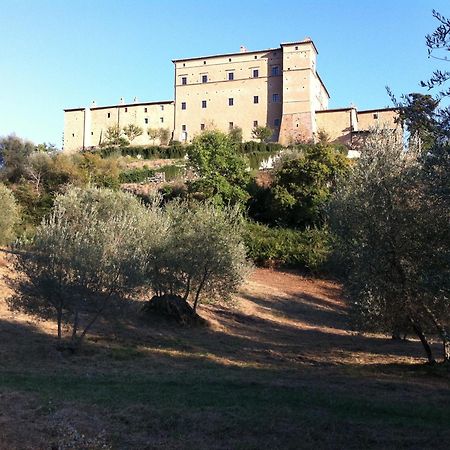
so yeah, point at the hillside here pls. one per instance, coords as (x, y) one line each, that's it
(281, 368)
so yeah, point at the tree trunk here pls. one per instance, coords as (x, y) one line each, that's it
(442, 333)
(418, 330)
(200, 287)
(59, 319)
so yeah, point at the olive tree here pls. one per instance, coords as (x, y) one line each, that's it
(80, 261)
(132, 131)
(262, 133)
(200, 253)
(392, 226)
(163, 135)
(9, 216)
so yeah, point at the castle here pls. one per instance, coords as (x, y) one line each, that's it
(279, 88)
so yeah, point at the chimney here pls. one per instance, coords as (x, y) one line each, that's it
(93, 104)
(243, 49)
(121, 101)
(135, 100)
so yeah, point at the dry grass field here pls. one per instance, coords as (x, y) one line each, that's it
(279, 369)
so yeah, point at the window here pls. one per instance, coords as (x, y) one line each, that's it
(183, 127)
(146, 120)
(203, 103)
(231, 76)
(162, 107)
(161, 119)
(275, 98)
(204, 78)
(202, 126)
(255, 99)
(256, 56)
(145, 109)
(92, 133)
(255, 73)
(183, 105)
(204, 62)
(296, 47)
(184, 65)
(230, 102)
(375, 116)
(126, 109)
(275, 71)
(230, 125)
(229, 59)
(276, 123)
(109, 115)
(183, 80)
(255, 123)
(73, 134)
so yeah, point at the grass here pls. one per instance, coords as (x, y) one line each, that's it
(280, 370)
(175, 394)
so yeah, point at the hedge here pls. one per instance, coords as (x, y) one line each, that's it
(307, 249)
(151, 152)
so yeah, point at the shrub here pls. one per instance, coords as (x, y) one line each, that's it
(200, 253)
(223, 173)
(262, 133)
(138, 175)
(307, 249)
(80, 259)
(10, 215)
(151, 152)
(392, 225)
(303, 183)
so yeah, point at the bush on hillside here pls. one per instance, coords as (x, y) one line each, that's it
(308, 249)
(80, 260)
(9, 216)
(199, 255)
(150, 152)
(392, 225)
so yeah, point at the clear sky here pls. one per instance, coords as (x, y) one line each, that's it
(57, 54)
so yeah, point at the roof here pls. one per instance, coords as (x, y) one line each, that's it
(306, 41)
(334, 110)
(377, 110)
(122, 105)
(226, 54)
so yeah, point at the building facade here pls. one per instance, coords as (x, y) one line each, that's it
(279, 88)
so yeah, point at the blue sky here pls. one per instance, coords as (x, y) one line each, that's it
(59, 54)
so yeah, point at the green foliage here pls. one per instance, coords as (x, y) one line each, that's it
(255, 159)
(303, 184)
(132, 131)
(418, 113)
(197, 253)
(307, 249)
(392, 228)
(152, 152)
(223, 173)
(172, 171)
(259, 147)
(114, 136)
(138, 175)
(164, 135)
(79, 260)
(9, 216)
(235, 135)
(13, 156)
(264, 134)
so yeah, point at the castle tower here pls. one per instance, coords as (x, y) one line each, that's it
(303, 92)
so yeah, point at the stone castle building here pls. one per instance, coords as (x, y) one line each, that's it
(279, 88)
